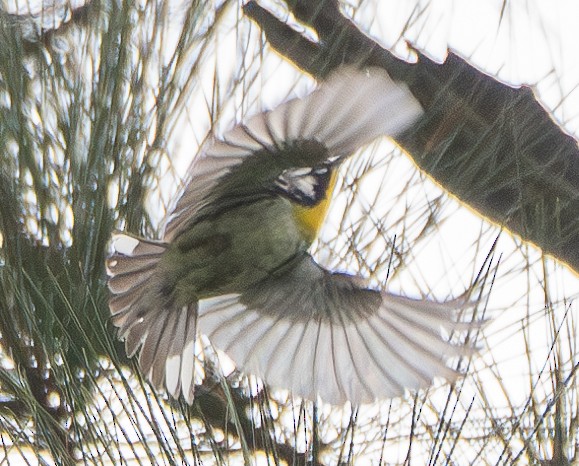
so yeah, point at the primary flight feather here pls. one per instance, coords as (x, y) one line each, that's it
(233, 262)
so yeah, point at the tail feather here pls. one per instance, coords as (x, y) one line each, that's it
(120, 284)
(130, 246)
(179, 357)
(135, 264)
(156, 347)
(119, 304)
(164, 335)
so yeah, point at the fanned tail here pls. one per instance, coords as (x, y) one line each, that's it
(165, 335)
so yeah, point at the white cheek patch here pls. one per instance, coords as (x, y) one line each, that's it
(296, 172)
(304, 184)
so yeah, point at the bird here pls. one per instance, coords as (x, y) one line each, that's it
(234, 263)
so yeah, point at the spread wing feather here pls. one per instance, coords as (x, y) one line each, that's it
(366, 345)
(351, 108)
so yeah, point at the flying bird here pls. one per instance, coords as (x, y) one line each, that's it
(233, 262)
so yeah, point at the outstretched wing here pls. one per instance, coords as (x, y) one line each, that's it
(320, 333)
(351, 108)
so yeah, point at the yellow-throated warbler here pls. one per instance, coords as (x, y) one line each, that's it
(233, 262)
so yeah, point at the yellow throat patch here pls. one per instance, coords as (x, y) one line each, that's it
(310, 219)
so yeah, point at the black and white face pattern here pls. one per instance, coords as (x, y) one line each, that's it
(305, 185)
